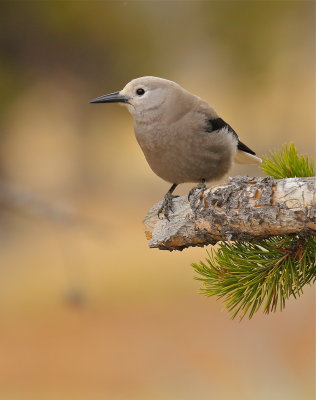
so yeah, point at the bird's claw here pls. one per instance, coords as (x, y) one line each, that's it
(200, 187)
(167, 206)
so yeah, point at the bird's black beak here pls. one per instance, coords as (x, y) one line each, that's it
(115, 97)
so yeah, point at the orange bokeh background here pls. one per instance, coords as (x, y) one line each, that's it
(87, 311)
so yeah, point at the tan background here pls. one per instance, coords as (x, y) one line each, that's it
(87, 311)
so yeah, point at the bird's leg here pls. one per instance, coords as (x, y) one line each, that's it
(167, 205)
(201, 186)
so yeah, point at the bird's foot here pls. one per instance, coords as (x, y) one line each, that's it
(201, 187)
(167, 206)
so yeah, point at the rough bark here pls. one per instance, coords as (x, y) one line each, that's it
(241, 209)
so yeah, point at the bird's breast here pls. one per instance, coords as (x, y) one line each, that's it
(186, 155)
(152, 138)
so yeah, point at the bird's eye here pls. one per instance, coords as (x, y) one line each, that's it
(140, 91)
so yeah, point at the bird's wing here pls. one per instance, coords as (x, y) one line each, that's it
(244, 154)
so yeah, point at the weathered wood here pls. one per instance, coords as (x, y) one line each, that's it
(241, 209)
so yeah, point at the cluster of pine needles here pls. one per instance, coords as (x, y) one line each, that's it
(250, 275)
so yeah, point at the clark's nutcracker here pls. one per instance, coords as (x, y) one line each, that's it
(181, 135)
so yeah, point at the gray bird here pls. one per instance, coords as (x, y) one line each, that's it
(181, 135)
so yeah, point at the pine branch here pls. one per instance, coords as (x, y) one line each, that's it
(265, 274)
(287, 163)
(248, 276)
(272, 223)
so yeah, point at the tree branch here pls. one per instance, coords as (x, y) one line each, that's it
(241, 209)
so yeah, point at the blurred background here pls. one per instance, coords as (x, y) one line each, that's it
(87, 311)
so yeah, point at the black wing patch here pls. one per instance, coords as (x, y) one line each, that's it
(215, 124)
(219, 123)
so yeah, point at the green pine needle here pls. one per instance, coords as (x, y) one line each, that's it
(251, 275)
(287, 163)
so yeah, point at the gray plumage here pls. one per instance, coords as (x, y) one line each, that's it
(181, 135)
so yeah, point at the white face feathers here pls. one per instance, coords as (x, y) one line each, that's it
(150, 97)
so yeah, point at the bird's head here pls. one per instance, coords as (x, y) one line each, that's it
(147, 98)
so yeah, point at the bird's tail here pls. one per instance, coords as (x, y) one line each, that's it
(241, 157)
